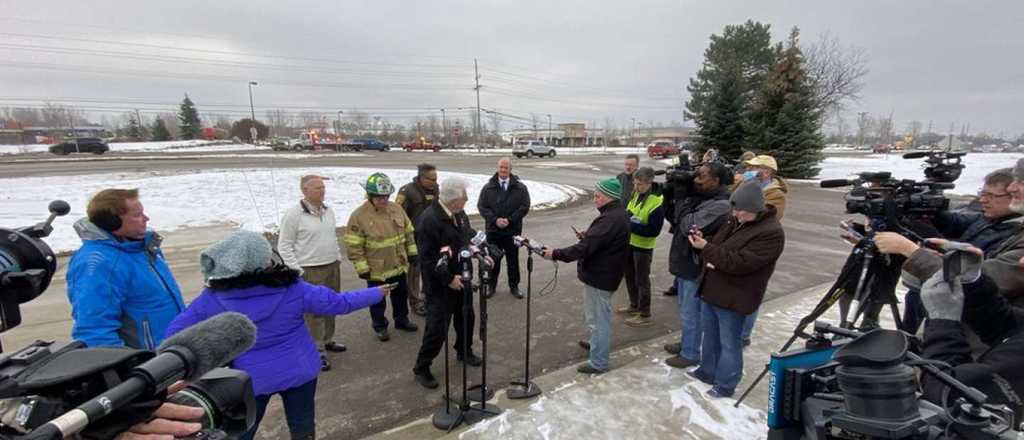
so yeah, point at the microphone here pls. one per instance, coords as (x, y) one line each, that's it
(835, 183)
(525, 242)
(446, 253)
(187, 355)
(479, 239)
(916, 155)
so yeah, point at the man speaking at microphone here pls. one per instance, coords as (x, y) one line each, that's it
(601, 252)
(443, 228)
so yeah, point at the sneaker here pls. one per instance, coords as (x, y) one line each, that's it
(383, 335)
(671, 291)
(587, 369)
(335, 347)
(584, 345)
(746, 343)
(627, 310)
(407, 326)
(472, 360)
(640, 321)
(680, 362)
(325, 365)
(716, 393)
(425, 379)
(674, 348)
(694, 374)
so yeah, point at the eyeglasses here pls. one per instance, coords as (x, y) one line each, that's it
(988, 195)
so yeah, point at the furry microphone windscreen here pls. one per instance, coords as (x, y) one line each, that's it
(214, 342)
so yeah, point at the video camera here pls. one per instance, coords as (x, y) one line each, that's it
(45, 380)
(679, 176)
(863, 386)
(941, 166)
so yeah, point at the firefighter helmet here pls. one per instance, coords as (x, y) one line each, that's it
(378, 184)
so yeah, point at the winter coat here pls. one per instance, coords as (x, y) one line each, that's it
(647, 215)
(743, 256)
(997, 372)
(602, 251)
(626, 180)
(436, 229)
(284, 355)
(972, 227)
(122, 293)
(707, 212)
(775, 195)
(380, 241)
(513, 204)
(414, 198)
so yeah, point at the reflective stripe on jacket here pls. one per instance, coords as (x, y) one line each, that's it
(380, 241)
(645, 227)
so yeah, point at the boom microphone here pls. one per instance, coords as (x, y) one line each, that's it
(915, 155)
(187, 355)
(835, 183)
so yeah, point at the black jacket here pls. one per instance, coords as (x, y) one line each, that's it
(972, 227)
(999, 372)
(707, 212)
(626, 181)
(435, 229)
(602, 251)
(414, 199)
(512, 204)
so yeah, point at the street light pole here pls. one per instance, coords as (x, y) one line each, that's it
(632, 131)
(549, 129)
(338, 131)
(444, 127)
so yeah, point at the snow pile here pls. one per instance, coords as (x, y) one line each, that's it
(251, 198)
(970, 181)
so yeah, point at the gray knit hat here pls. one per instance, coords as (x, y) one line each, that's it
(238, 253)
(1018, 170)
(748, 197)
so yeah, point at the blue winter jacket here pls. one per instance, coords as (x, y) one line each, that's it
(285, 355)
(122, 293)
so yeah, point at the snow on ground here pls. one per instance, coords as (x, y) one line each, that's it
(970, 181)
(251, 198)
(194, 146)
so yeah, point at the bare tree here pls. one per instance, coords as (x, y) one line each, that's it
(308, 119)
(360, 120)
(864, 127)
(432, 125)
(842, 127)
(836, 71)
(171, 122)
(279, 122)
(914, 130)
(495, 123)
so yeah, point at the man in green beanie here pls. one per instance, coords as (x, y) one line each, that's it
(601, 255)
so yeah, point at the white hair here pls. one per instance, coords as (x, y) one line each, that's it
(453, 188)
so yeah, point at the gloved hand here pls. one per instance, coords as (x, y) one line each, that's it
(942, 300)
(970, 260)
(365, 275)
(634, 219)
(413, 260)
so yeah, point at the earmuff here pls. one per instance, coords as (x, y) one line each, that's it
(107, 221)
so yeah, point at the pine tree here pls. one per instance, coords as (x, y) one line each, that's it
(188, 120)
(159, 130)
(785, 121)
(135, 130)
(735, 65)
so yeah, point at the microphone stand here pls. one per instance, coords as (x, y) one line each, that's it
(481, 393)
(526, 389)
(449, 417)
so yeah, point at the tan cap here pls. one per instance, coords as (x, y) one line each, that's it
(763, 160)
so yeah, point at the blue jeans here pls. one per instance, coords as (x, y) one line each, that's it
(689, 316)
(299, 410)
(722, 349)
(748, 324)
(598, 309)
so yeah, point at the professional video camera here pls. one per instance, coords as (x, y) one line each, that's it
(865, 387)
(47, 381)
(884, 199)
(942, 166)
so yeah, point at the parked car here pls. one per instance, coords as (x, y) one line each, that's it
(421, 144)
(532, 148)
(81, 145)
(881, 148)
(662, 149)
(367, 144)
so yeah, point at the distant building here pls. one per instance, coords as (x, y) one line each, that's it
(14, 134)
(561, 135)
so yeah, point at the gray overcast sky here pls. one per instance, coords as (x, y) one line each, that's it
(940, 61)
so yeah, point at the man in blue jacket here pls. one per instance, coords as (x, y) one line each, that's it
(121, 290)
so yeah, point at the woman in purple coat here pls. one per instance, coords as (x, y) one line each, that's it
(242, 276)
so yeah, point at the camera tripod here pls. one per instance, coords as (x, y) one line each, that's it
(860, 276)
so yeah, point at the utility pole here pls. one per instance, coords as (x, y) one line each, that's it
(337, 132)
(632, 132)
(252, 109)
(549, 129)
(476, 74)
(444, 128)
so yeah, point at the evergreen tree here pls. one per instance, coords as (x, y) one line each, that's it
(735, 65)
(188, 120)
(785, 120)
(159, 130)
(135, 131)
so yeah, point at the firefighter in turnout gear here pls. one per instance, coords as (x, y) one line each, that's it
(381, 246)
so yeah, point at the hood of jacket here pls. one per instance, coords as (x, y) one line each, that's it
(89, 232)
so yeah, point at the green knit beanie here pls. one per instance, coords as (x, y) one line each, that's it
(610, 187)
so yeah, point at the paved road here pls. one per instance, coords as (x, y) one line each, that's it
(371, 387)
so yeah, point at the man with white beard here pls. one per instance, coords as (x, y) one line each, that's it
(1002, 264)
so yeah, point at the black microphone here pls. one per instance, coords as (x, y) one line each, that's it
(525, 242)
(835, 183)
(446, 253)
(916, 155)
(185, 356)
